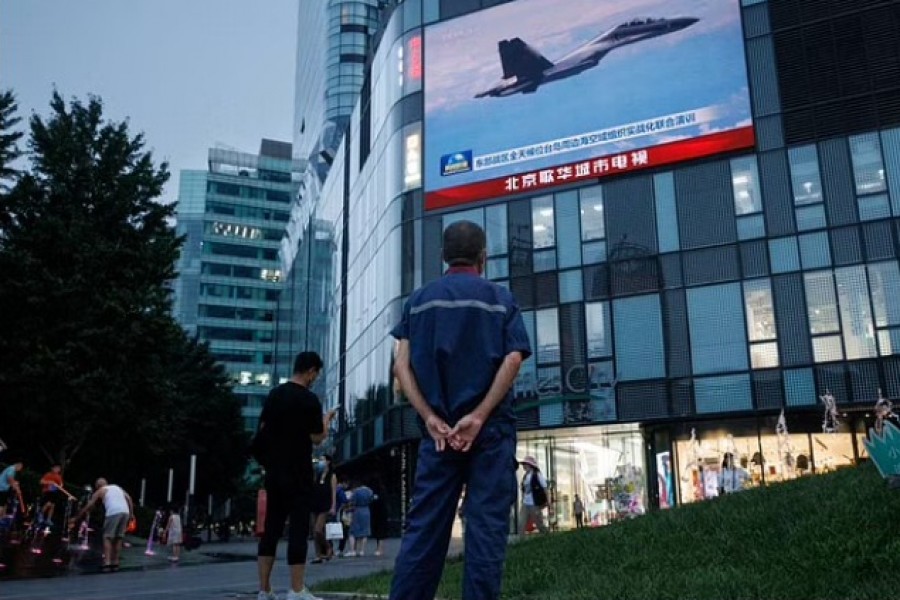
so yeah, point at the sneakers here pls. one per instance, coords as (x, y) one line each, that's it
(266, 596)
(303, 594)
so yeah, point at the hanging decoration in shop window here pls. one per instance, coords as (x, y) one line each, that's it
(830, 421)
(883, 444)
(884, 409)
(785, 448)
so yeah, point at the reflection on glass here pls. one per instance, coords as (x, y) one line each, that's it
(544, 230)
(760, 310)
(593, 252)
(872, 208)
(547, 335)
(827, 348)
(599, 334)
(821, 303)
(889, 341)
(496, 230)
(764, 356)
(805, 179)
(868, 167)
(811, 217)
(592, 225)
(856, 317)
(745, 183)
(884, 281)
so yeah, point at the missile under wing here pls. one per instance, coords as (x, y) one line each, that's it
(525, 69)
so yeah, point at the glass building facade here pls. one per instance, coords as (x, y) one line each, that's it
(674, 313)
(233, 217)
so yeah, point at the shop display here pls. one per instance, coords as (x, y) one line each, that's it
(830, 421)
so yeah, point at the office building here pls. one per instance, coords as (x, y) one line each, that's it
(233, 216)
(698, 211)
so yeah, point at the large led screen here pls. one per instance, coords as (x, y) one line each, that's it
(538, 93)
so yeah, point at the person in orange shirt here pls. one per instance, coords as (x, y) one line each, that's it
(51, 485)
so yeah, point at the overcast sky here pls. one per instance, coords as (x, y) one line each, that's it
(188, 73)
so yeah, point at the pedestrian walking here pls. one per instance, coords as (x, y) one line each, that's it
(174, 534)
(461, 341)
(343, 512)
(578, 509)
(290, 423)
(119, 511)
(325, 506)
(361, 525)
(534, 496)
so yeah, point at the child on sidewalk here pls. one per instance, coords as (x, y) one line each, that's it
(174, 533)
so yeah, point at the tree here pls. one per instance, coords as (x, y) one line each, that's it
(9, 149)
(91, 359)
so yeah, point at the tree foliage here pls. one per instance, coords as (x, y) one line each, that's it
(94, 371)
(9, 149)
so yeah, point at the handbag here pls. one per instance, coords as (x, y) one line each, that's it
(260, 513)
(334, 531)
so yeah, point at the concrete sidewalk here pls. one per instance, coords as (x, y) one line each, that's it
(244, 551)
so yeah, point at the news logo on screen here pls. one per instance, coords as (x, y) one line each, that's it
(458, 162)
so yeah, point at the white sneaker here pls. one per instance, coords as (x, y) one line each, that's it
(350, 554)
(303, 594)
(266, 596)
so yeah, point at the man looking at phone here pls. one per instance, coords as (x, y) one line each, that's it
(291, 422)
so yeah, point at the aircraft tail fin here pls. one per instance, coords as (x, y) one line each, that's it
(521, 60)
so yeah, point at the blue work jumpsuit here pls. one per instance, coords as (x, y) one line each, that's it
(460, 328)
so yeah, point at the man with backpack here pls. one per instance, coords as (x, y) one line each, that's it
(534, 496)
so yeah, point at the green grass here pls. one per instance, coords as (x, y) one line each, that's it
(834, 536)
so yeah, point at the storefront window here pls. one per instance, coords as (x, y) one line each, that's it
(715, 459)
(603, 466)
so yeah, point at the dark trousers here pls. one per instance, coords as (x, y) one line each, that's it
(579, 520)
(283, 502)
(489, 472)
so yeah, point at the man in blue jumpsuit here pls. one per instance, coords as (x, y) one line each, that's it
(461, 341)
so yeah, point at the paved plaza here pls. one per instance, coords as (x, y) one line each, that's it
(214, 571)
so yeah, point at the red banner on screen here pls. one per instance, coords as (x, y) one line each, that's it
(586, 170)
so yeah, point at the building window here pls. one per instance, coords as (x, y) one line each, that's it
(542, 223)
(496, 230)
(745, 183)
(868, 167)
(592, 224)
(718, 328)
(547, 336)
(599, 329)
(640, 352)
(761, 330)
(884, 283)
(856, 315)
(805, 180)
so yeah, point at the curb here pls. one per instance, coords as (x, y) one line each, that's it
(350, 596)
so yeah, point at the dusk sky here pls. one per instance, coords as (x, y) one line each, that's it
(188, 73)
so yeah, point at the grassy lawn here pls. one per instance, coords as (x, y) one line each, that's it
(834, 536)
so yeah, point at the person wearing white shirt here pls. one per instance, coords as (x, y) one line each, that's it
(119, 510)
(532, 509)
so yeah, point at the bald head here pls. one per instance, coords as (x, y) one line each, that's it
(464, 244)
(101, 482)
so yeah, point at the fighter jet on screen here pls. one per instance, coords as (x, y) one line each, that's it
(525, 69)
